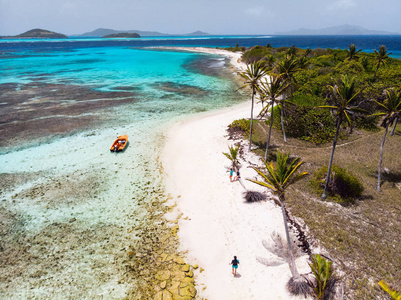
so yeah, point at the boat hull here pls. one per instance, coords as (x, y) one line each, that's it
(119, 144)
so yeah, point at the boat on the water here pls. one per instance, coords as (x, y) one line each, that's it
(120, 143)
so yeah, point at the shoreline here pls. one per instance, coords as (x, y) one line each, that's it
(217, 223)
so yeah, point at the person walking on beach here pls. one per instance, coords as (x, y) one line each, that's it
(231, 174)
(238, 176)
(234, 263)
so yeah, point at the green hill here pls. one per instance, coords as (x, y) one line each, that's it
(42, 34)
(122, 35)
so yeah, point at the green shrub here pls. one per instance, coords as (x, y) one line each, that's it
(243, 125)
(255, 54)
(302, 99)
(307, 123)
(367, 123)
(344, 186)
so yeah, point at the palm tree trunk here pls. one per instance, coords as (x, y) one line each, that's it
(374, 76)
(270, 131)
(293, 267)
(380, 160)
(250, 131)
(324, 196)
(395, 125)
(282, 123)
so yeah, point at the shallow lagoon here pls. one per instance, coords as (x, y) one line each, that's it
(70, 210)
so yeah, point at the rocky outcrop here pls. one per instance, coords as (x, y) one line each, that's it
(159, 269)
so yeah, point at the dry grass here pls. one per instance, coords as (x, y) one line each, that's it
(364, 239)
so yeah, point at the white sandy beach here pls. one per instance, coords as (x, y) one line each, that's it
(217, 223)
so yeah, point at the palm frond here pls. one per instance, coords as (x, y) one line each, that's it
(265, 176)
(263, 184)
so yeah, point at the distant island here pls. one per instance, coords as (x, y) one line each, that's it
(337, 30)
(105, 31)
(122, 35)
(37, 34)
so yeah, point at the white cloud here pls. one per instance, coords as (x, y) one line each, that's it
(341, 4)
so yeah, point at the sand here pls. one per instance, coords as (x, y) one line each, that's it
(217, 223)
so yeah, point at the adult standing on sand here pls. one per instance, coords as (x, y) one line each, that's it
(231, 174)
(238, 176)
(234, 264)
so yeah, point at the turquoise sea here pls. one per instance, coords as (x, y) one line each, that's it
(70, 209)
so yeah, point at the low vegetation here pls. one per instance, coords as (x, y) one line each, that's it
(358, 226)
(343, 186)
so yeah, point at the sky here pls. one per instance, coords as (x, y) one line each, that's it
(184, 16)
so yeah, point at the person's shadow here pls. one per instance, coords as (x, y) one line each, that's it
(238, 275)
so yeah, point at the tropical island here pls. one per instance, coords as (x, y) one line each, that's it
(122, 35)
(37, 34)
(326, 134)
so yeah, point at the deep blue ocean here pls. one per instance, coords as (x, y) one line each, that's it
(365, 42)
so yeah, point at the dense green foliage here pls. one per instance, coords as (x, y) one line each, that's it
(317, 71)
(307, 123)
(344, 186)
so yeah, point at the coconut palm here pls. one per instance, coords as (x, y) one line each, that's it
(292, 51)
(278, 178)
(344, 97)
(381, 57)
(395, 295)
(302, 62)
(271, 89)
(352, 52)
(391, 111)
(233, 155)
(270, 61)
(287, 68)
(395, 125)
(323, 272)
(253, 74)
(307, 52)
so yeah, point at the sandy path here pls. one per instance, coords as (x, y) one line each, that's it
(220, 224)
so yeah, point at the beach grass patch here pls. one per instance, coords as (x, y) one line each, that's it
(241, 125)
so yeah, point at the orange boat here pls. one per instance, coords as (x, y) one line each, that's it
(120, 143)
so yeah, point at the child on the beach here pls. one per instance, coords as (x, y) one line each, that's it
(231, 174)
(234, 264)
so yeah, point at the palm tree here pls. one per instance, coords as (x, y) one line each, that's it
(352, 52)
(307, 52)
(253, 74)
(270, 60)
(287, 68)
(292, 51)
(322, 270)
(395, 125)
(271, 89)
(381, 57)
(302, 62)
(278, 178)
(392, 111)
(344, 97)
(233, 155)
